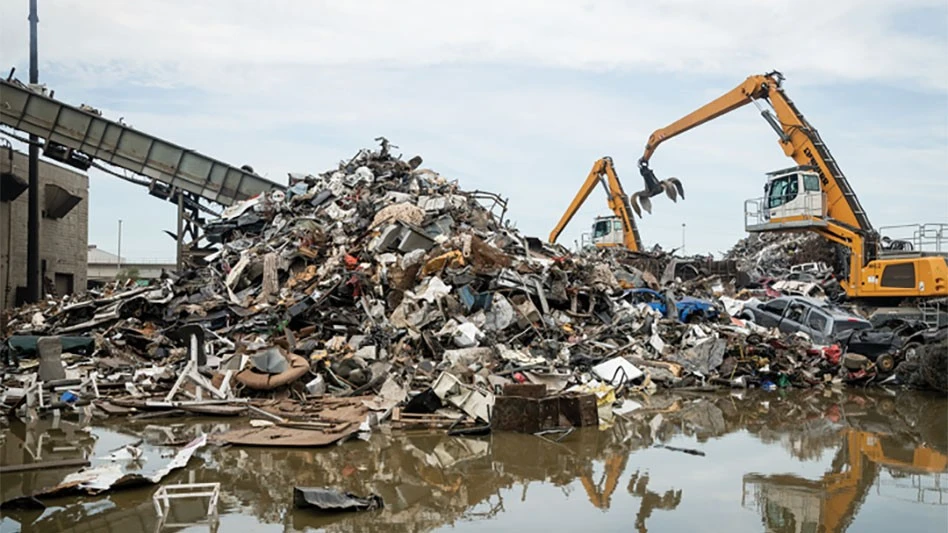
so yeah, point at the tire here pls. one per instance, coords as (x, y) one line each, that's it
(885, 363)
(910, 351)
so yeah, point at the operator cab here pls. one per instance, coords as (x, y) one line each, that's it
(792, 198)
(607, 231)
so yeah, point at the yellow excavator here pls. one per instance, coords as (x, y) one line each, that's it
(618, 230)
(830, 503)
(814, 196)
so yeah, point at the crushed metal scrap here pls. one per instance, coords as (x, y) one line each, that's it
(382, 291)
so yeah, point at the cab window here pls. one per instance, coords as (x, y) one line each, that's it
(782, 190)
(811, 183)
(601, 229)
(617, 225)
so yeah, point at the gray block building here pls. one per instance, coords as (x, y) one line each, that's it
(64, 204)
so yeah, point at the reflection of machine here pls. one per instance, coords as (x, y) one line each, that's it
(816, 196)
(600, 494)
(788, 503)
(617, 230)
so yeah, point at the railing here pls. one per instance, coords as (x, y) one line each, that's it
(934, 313)
(758, 215)
(585, 240)
(913, 238)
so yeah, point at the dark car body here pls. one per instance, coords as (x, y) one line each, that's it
(790, 314)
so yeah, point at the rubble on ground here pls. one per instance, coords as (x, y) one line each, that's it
(381, 290)
(929, 370)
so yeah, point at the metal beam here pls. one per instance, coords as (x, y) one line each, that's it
(120, 145)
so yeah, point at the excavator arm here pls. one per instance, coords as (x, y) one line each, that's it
(831, 210)
(603, 172)
(799, 140)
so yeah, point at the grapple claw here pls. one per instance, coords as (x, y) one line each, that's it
(677, 184)
(645, 202)
(670, 191)
(634, 204)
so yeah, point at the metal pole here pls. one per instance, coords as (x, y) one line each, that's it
(33, 275)
(179, 256)
(119, 259)
(682, 238)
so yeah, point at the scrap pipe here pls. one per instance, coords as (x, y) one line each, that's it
(33, 274)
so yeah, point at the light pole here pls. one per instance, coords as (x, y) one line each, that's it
(682, 238)
(34, 282)
(119, 259)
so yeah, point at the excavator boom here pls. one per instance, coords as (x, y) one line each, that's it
(814, 196)
(603, 172)
(797, 137)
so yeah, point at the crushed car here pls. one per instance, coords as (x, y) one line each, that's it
(823, 322)
(687, 308)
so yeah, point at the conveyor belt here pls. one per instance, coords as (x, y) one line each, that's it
(118, 144)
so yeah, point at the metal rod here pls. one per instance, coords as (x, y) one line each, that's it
(682, 238)
(179, 256)
(33, 273)
(118, 258)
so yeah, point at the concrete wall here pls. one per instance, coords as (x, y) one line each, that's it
(63, 242)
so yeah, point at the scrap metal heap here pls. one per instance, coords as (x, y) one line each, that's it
(770, 254)
(383, 287)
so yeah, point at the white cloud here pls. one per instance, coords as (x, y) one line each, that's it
(844, 39)
(515, 97)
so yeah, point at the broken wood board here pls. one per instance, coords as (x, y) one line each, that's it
(289, 437)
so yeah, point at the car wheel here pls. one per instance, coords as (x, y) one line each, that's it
(885, 362)
(910, 351)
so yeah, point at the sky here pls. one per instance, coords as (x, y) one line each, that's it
(519, 98)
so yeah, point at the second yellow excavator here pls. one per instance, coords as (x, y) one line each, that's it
(618, 230)
(816, 196)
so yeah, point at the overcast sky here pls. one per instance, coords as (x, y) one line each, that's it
(515, 97)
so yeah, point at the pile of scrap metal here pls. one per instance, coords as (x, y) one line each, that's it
(790, 264)
(382, 290)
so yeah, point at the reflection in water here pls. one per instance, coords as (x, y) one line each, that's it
(431, 481)
(793, 504)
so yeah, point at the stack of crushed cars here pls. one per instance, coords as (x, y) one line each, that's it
(384, 281)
